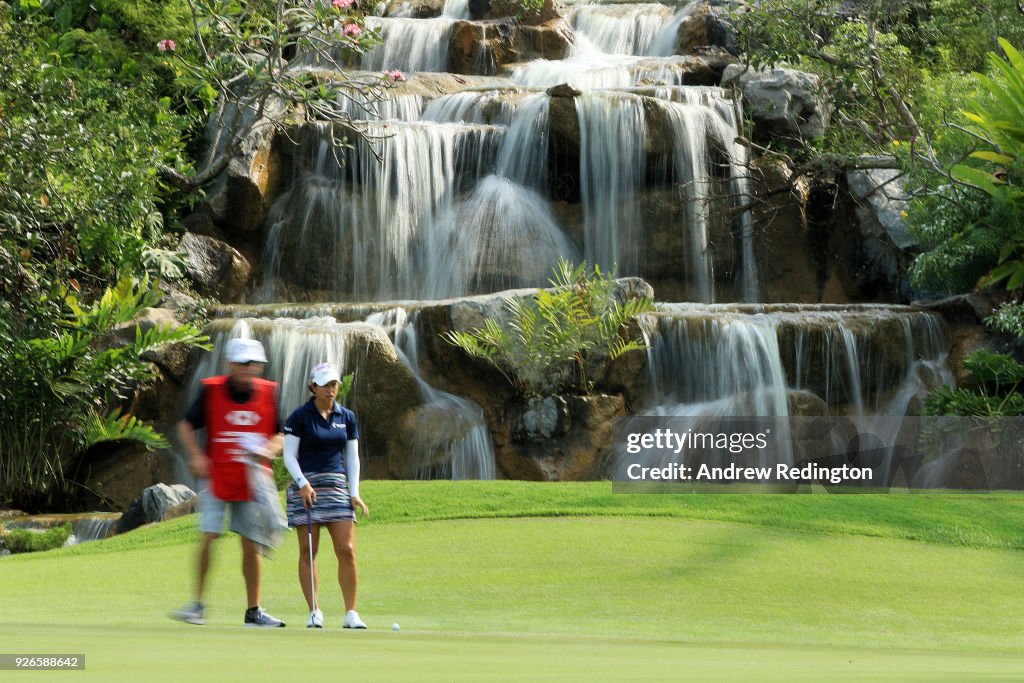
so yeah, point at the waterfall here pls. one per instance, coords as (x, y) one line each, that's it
(456, 9)
(622, 29)
(367, 217)
(628, 29)
(409, 44)
(473, 188)
(503, 236)
(703, 363)
(470, 455)
(743, 360)
(612, 133)
(361, 107)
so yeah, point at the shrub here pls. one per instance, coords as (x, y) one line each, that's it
(560, 338)
(63, 374)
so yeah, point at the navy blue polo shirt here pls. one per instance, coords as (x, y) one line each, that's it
(322, 442)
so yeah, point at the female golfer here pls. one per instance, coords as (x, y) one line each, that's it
(321, 452)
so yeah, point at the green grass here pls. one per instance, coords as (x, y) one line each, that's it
(510, 581)
(994, 520)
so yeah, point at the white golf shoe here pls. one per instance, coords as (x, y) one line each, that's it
(316, 619)
(352, 620)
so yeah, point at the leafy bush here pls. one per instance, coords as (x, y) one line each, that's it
(959, 244)
(30, 541)
(63, 375)
(998, 119)
(996, 378)
(79, 193)
(560, 339)
(1008, 319)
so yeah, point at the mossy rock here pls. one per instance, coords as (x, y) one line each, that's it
(30, 540)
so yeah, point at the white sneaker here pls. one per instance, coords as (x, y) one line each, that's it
(316, 619)
(352, 620)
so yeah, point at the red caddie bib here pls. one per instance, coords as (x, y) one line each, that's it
(225, 422)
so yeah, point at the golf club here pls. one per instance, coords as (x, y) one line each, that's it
(312, 573)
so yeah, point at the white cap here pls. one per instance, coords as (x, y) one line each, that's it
(324, 373)
(245, 351)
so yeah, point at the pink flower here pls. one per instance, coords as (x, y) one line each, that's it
(352, 30)
(343, 4)
(167, 45)
(394, 74)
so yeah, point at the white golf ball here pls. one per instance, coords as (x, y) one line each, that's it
(394, 627)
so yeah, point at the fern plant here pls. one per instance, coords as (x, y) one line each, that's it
(561, 338)
(62, 387)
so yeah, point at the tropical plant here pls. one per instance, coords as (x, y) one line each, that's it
(64, 380)
(998, 121)
(993, 380)
(560, 338)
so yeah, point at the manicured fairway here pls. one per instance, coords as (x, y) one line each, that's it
(657, 596)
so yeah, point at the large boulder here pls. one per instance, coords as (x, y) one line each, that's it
(705, 28)
(242, 194)
(116, 471)
(173, 359)
(384, 389)
(880, 204)
(158, 499)
(782, 102)
(476, 47)
(414, 9)
(788, 268)
(559, 438)
(215, 268)
(547, 12)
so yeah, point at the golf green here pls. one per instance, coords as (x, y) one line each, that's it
(561, 598)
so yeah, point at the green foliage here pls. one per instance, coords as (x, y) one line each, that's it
(238, 66)
(994, 377)
(865, 66)
(561, 336)
(79, 194)
(63, 376)
(1008, 319)
(30, 541)
(959, 245)
(163, 264)
(998, 118)
(959, 33)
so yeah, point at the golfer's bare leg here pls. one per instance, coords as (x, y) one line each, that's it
(205, 544)
(252, 564)
(343, 535)
(303, 534)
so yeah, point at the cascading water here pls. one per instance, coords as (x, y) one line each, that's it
(371, 220)
(484, 188)
(612, 133)
(467, 451)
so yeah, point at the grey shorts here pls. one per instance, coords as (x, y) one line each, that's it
(211, 515)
